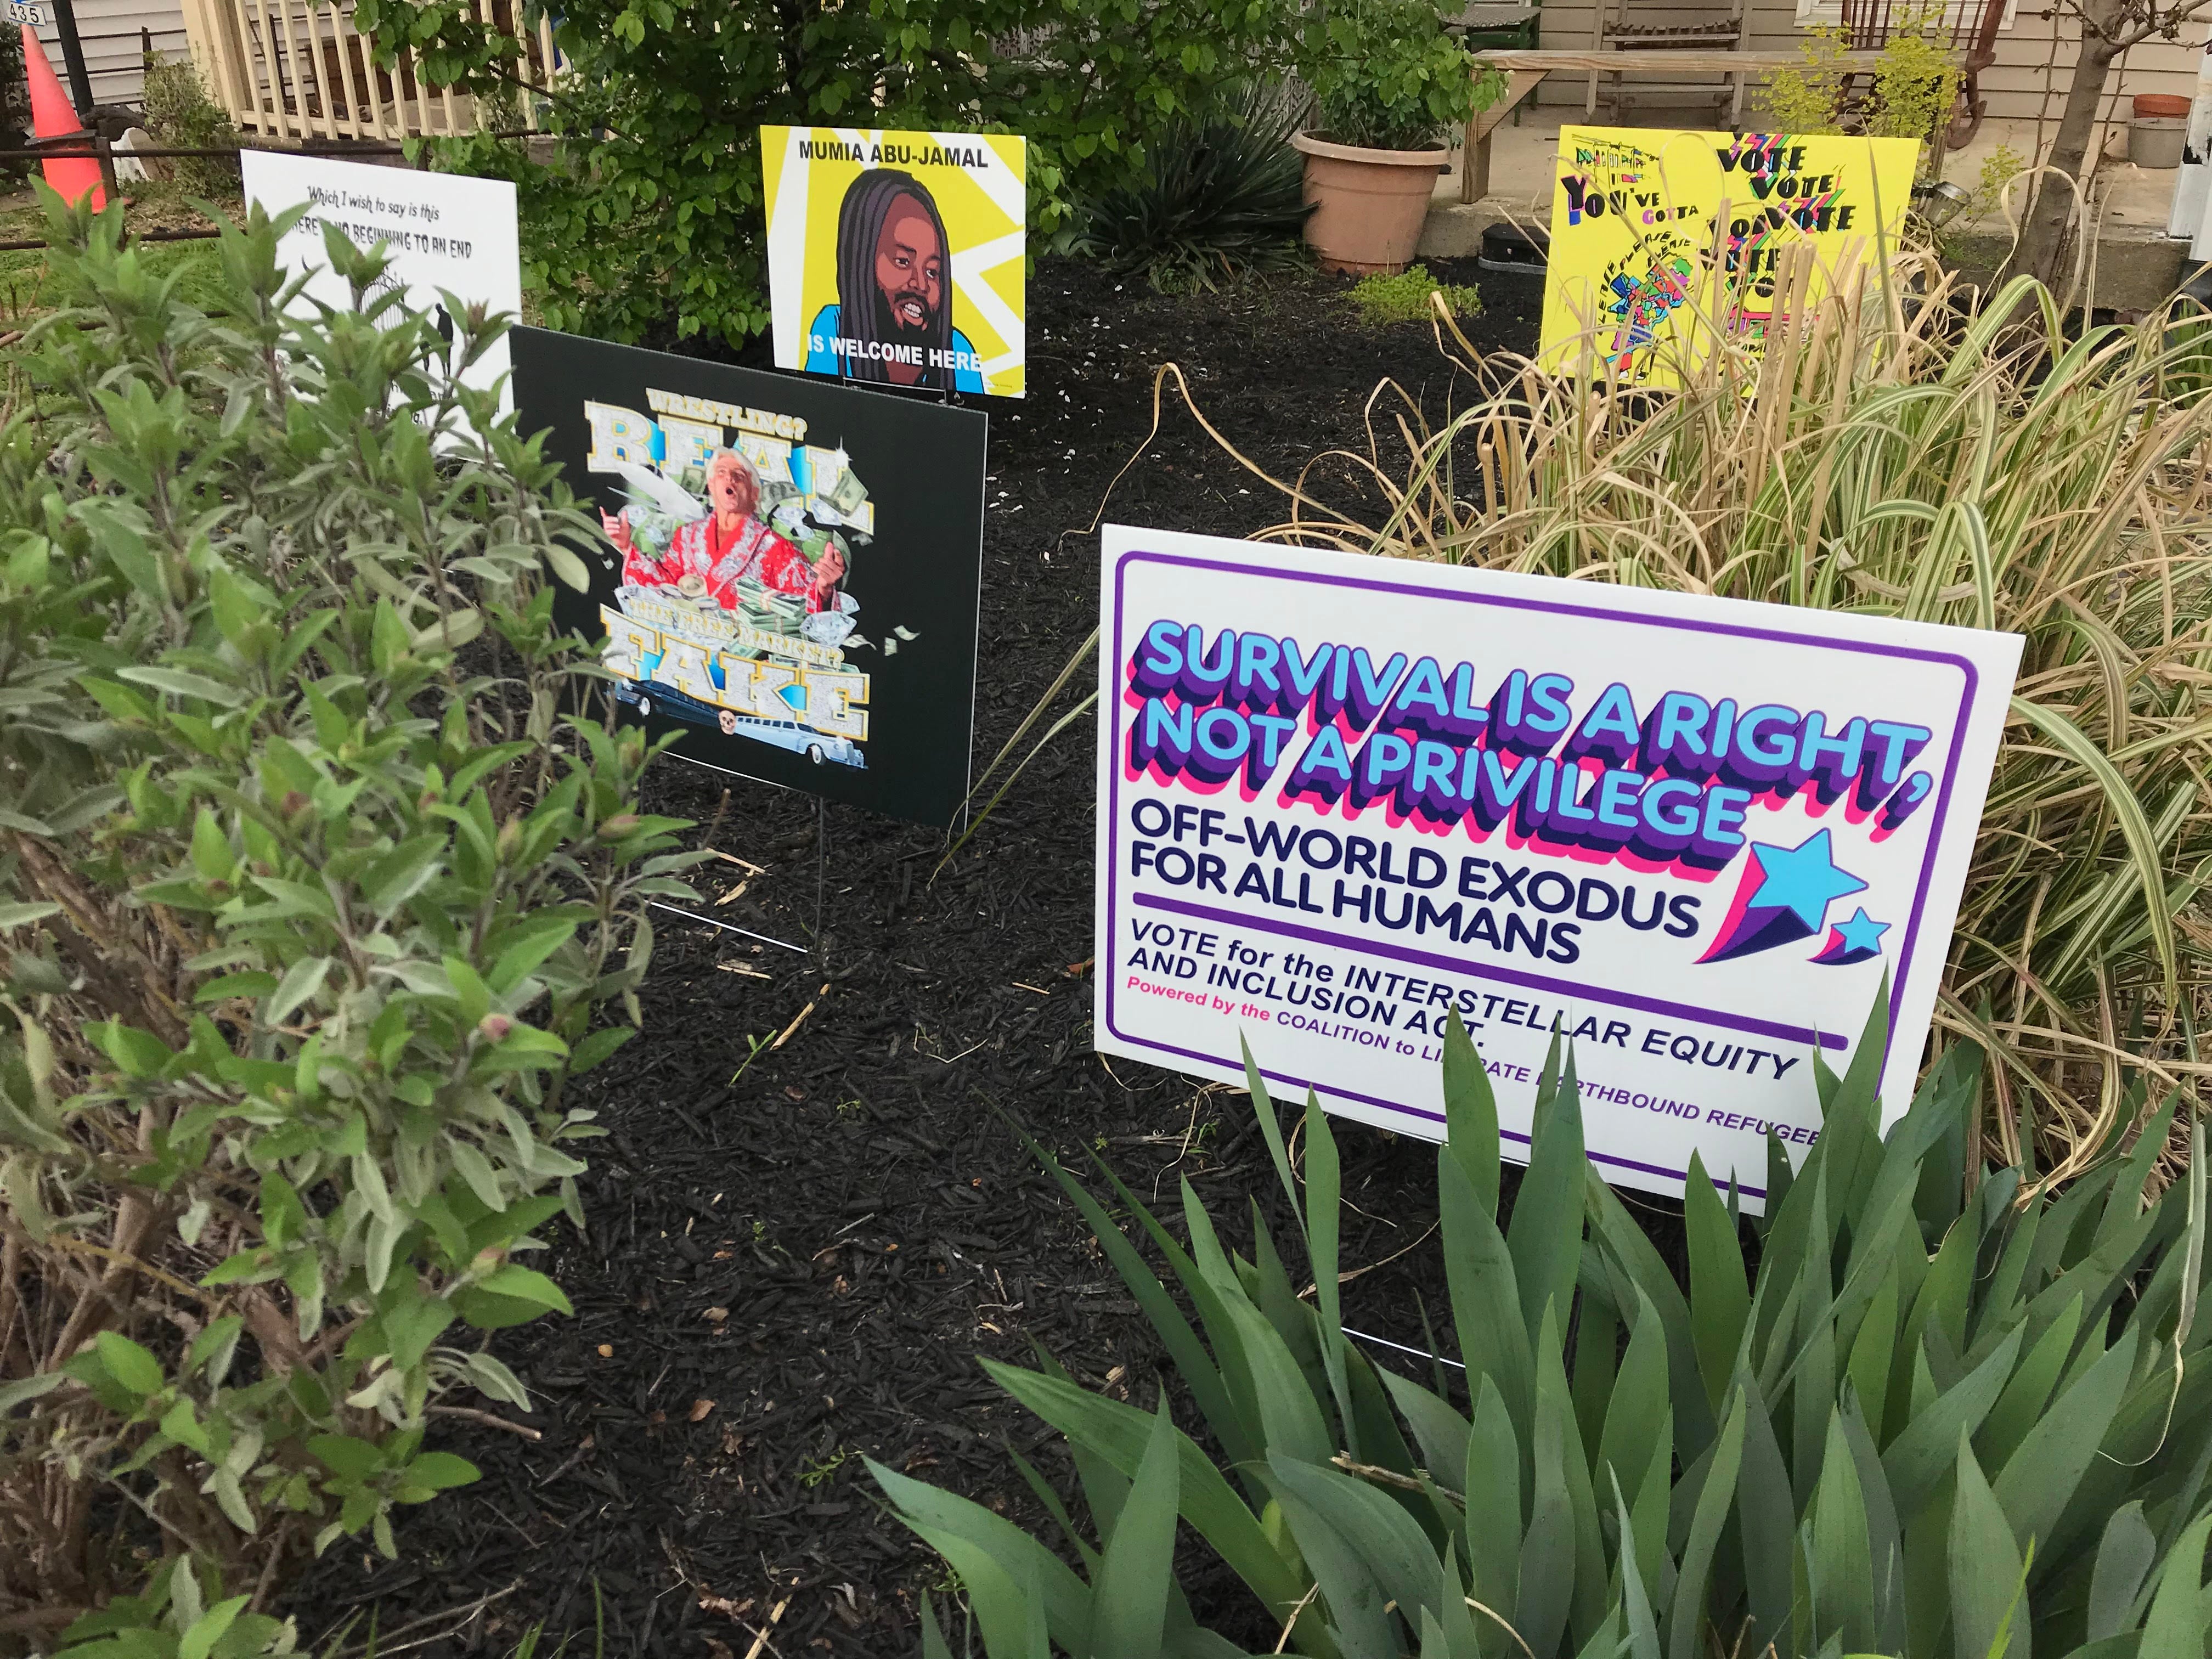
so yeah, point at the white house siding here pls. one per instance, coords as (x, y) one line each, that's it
(114, 49)
(2025, 84)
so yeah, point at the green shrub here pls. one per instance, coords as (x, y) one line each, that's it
(1218, 195)
(1405, 298)
(319, 879)
(14, 90)
(1934, 1418)
(1385, 76)
(652, 212)
(180, 115)
(1909, 94)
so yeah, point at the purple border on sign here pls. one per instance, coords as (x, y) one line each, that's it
(1110, 645)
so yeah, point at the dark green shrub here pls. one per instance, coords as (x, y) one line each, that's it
(14, 90)
(1219, 194)
(319, 879)
(653, 209)
(1385, 76)
(1931, 1421)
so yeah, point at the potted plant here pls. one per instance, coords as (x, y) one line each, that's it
(1389, 88)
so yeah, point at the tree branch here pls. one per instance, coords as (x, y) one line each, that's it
(2168, 22)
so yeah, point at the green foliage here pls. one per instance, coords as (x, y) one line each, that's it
(653, 207)
(1385, 76)
(1915, 83)
(1808, 98)
(319, 879)
(1405, 298)
(28, 285)
(15, 89)
(1986, 198)
(1933, 1419)
(180, 115)
(174, 1617)
(1218, 195)
(1999, 168)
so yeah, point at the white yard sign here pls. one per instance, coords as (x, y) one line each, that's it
(1341, 798)
(447, 234)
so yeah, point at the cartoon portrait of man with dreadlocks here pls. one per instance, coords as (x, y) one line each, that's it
(893, 318)
(898, 258)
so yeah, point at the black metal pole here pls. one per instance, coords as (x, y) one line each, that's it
(80, 79)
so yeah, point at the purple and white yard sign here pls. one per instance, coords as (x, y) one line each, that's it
(1340, 796)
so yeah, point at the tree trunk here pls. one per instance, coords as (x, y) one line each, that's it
(2044, 245)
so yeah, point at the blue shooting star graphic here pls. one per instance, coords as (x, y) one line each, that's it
(1856, 940)
(1784, 896)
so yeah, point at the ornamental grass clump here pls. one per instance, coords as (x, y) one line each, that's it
(1903, 448)
(1925, 1416)
(319, 878)
(1941, 458)
(1220, 194)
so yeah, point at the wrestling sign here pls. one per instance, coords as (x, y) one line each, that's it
(787, 574)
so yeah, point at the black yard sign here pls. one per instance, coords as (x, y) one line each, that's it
(788, 571)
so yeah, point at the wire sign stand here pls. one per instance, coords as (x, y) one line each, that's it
(819, 948)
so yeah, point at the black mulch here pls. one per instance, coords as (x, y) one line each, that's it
(794, 1261)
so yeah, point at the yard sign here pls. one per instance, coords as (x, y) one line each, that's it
(787, 574)
(1341, 796)
(1645, 222)
(447, 234)
(897, 257)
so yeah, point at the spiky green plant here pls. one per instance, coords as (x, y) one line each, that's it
(1921, 1418)
(1221, 194)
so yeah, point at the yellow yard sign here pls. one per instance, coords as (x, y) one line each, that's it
(897, 257)
(1662, 240)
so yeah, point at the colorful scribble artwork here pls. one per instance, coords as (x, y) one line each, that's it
(1640, 304)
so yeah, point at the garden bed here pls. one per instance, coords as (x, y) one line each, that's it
(786, 1272)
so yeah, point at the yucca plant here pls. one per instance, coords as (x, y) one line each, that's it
(1905, 449)
(1920, 1417)
(1221, 193)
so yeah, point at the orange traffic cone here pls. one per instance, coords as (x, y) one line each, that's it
(52, 116)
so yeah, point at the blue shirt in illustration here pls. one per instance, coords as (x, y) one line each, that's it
(822, 357)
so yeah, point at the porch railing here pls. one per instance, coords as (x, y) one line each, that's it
(299, 69)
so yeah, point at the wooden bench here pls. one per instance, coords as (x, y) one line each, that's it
(1525, 70)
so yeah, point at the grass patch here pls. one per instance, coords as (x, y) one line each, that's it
(1405, 298)
(26, 289)
(26, 286)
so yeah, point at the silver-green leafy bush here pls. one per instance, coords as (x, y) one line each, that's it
(319, 878)
(1932, 1421)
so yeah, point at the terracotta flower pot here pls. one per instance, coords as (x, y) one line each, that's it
(1371, 203)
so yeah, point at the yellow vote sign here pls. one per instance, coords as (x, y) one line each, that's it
(1661, 239)
(898, 258)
